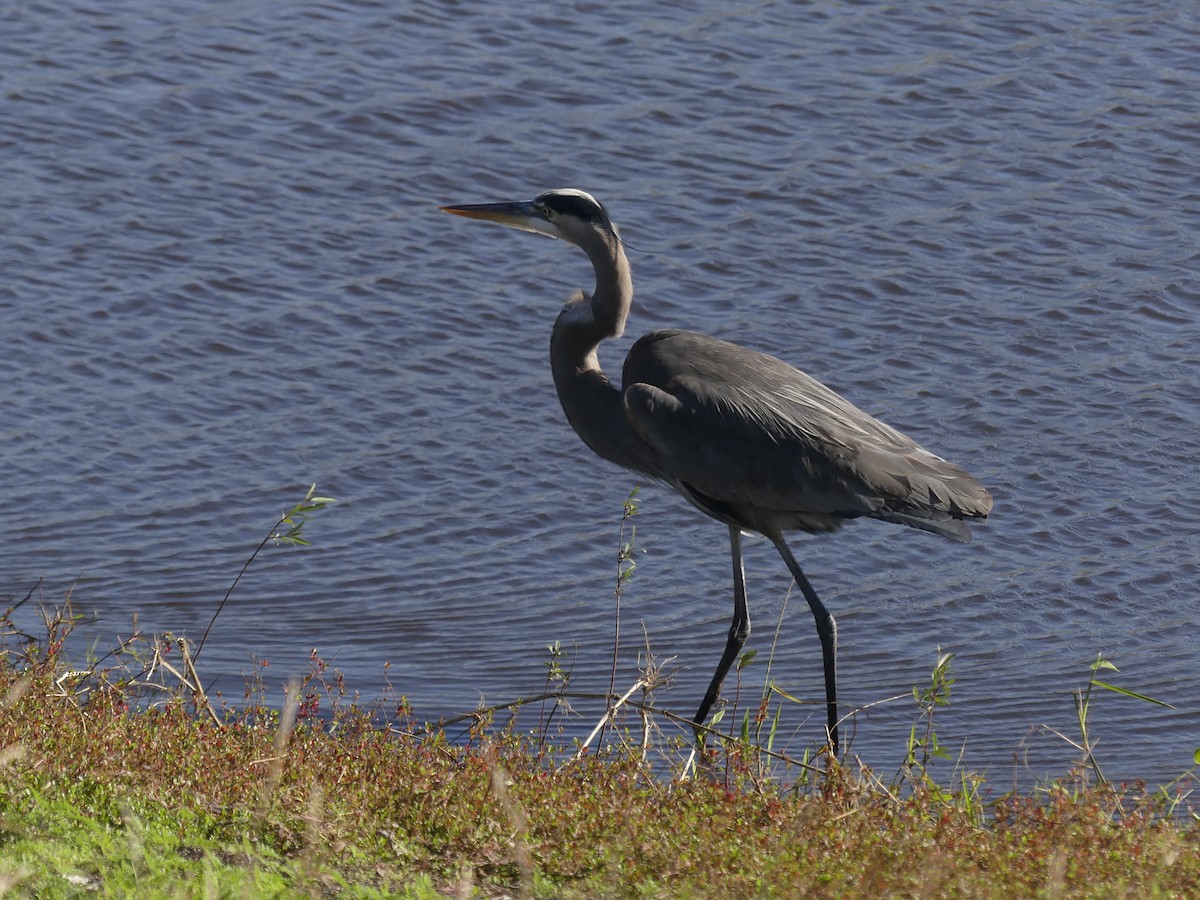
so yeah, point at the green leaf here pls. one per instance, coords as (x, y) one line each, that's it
(775, 728)
(1128, 693)
(784, 694)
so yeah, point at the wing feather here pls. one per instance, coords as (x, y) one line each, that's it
(747, 432)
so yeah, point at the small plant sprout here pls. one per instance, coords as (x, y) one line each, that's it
(925, 747)
(558, 679)
(626, 550)
(743, 661)
(1083, 705)
(288, 529)
(554, 670)
(297, 517)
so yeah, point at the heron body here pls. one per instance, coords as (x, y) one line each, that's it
(747, 438)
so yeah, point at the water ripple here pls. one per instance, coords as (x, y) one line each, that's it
(226, 278)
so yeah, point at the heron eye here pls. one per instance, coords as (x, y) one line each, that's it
(546, 212)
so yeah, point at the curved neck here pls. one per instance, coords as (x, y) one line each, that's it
(593, 405)
(586, 321)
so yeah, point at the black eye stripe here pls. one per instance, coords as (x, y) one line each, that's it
(575, 205)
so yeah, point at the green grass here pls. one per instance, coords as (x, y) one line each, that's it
(62, 839)
(101, 797)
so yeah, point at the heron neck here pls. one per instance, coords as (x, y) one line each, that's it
(593, 405)
(613, 296)
(587, 321)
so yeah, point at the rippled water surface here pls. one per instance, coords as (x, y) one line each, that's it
(225, 277)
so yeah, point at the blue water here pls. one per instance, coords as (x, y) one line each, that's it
(225, 278)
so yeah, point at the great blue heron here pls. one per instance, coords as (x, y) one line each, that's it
(747, 438)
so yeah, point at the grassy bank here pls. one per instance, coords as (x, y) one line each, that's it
(119, 777)
(102, 793)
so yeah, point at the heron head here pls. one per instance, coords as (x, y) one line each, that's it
(565, 213)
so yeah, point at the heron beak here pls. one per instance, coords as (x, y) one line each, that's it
(520, 214)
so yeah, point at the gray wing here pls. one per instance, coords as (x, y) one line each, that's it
(754, 441)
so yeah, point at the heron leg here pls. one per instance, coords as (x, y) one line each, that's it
(739, 630)
(826, 631)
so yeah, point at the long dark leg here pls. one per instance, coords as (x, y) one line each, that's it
(739, 629)
(826, 631)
